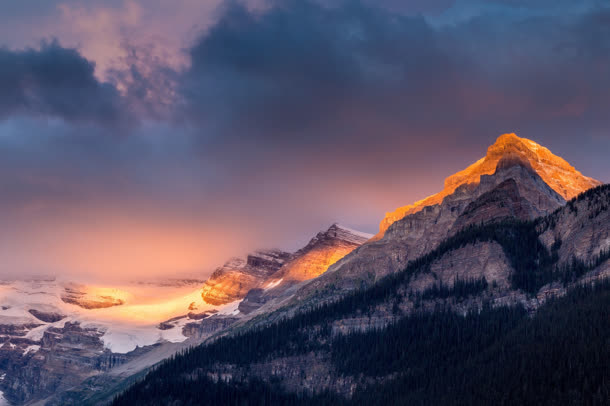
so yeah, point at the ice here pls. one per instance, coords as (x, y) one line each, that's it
(356, 232)
(3, 401)
(125, 328)
(31, 348)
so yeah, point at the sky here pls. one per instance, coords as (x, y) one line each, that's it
(145, 139)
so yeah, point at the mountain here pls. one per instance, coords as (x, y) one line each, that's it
(237, 276)
(309, 262)
(62, 342)
(266, 273)
(443, 290)
(508, 182)
(554, 171)
(505, 312)
(54, 333)
(508, 234)
(275, 289)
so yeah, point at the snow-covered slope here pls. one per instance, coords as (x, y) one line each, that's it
(134, 323)
(56, 334)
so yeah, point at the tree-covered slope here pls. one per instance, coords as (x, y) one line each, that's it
(496, 356)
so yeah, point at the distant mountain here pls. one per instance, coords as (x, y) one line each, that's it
(62, 342)
(309, 262)
(276, 270)
(237, 276)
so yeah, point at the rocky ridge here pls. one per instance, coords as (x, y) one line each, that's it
(237, 276)
(513, 190)
(473, 269)
(309, 262)
(554, 171)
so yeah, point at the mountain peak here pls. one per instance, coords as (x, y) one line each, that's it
(343, 232)
(508, 139)
(512, 144)
(508, 149)
(337, 232)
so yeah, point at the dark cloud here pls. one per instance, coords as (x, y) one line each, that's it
(57, 82)
(301, 71)
(293, 116)
(302, 66)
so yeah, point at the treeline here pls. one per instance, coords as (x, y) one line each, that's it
(461, 288)
(573, 270)
(495, 356)
(199, 389)
(598, 198)
(422, 342)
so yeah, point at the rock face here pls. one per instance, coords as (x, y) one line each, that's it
(582, 227)
(309, 262)
(513, 189)
(82, 296)
(322, 251)
(470, 262)
(236, 277)
(61, 359)
(581, 230)
(46, 316)
(554, 171)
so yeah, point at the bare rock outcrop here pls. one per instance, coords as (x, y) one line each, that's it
(514, 189)
(84, 297)
(482, 260)
(309, 262)
(581, 230)
(554, 171)
(237, 276)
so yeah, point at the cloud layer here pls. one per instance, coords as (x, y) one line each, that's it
(57, 82)
(273, 120)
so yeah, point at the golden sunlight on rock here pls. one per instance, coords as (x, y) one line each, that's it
(237, 276)
(268, 269)
(554, 170)
(322, 251)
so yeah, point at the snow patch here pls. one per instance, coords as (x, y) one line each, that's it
(37, 333)
(3, 401)
(273, 284)
(355, 232)
(229, 309)
(126, 339)
(31, 348)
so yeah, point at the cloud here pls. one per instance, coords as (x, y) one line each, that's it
(57, 82)
(299, 65)
(285, 117)
(301, 70)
